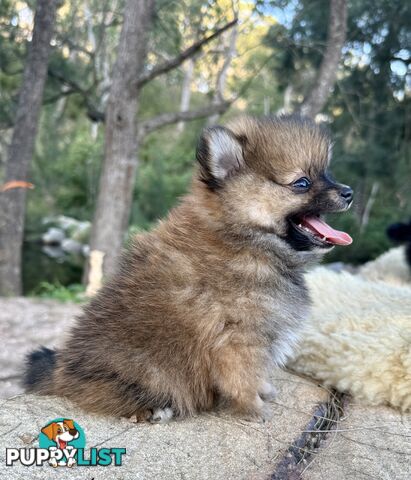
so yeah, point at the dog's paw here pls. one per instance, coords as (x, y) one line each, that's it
(265, 414)
(267, 392)
(141, 416)
(255, 411)
(262, 415)
(161, 415)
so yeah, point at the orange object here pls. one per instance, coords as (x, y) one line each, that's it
(16, 184)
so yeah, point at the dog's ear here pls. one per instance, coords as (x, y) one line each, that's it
(220, 154)
(69, 423)
(49, 431)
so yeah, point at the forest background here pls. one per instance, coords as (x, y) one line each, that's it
(193, 63)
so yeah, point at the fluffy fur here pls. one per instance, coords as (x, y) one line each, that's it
(358, 338)
(203, 305)
(393, 266)
(390, 267)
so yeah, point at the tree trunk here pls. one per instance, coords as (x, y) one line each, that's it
(186, 91)
(229, 54)
(365, 217)
(120, 156)
(13, 202)
(337, 27)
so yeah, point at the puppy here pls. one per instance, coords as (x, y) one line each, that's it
(61, 433)
(206, 303)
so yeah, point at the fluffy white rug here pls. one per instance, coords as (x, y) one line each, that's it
(358, 339)
(390, 267)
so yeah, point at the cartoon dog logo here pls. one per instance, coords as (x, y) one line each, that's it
(61, 433)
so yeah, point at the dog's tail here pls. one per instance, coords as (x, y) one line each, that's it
(39, 368)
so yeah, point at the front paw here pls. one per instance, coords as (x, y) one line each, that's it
(267, 392)
(161, 415)
(262, 415)
(258, 411)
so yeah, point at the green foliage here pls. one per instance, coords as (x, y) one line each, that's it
(71, 293)
(65, 168)
(11, 56)
(39, 267)
(368, 111)
(164, 175)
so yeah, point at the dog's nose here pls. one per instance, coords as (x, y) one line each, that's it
(73, 432)
(347, 193)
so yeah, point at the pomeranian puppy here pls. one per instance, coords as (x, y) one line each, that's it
(205, 304)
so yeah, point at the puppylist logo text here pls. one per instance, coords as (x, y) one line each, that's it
(62, 444)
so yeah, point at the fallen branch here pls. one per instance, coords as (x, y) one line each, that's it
(305, 449)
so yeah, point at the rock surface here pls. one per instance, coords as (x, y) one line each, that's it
(370, 442)
(25, 324)
(210, 446)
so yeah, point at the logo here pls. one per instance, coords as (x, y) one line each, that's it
(62, 443)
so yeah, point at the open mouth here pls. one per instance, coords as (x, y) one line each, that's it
(61, 443)
(319, 233)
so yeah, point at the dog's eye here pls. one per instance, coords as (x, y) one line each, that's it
(302, 183)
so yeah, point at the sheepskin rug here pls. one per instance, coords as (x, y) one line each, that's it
(390, 267)
(358, 339)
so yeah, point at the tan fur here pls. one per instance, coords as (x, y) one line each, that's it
(204, 304)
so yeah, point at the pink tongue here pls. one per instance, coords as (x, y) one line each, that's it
(62, 444)
(333, 236)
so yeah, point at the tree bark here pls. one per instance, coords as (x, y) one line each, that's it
(186, 91)
(221, 81)
(13, 202)
(120, 156)
(337, 28)
(365, 217)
